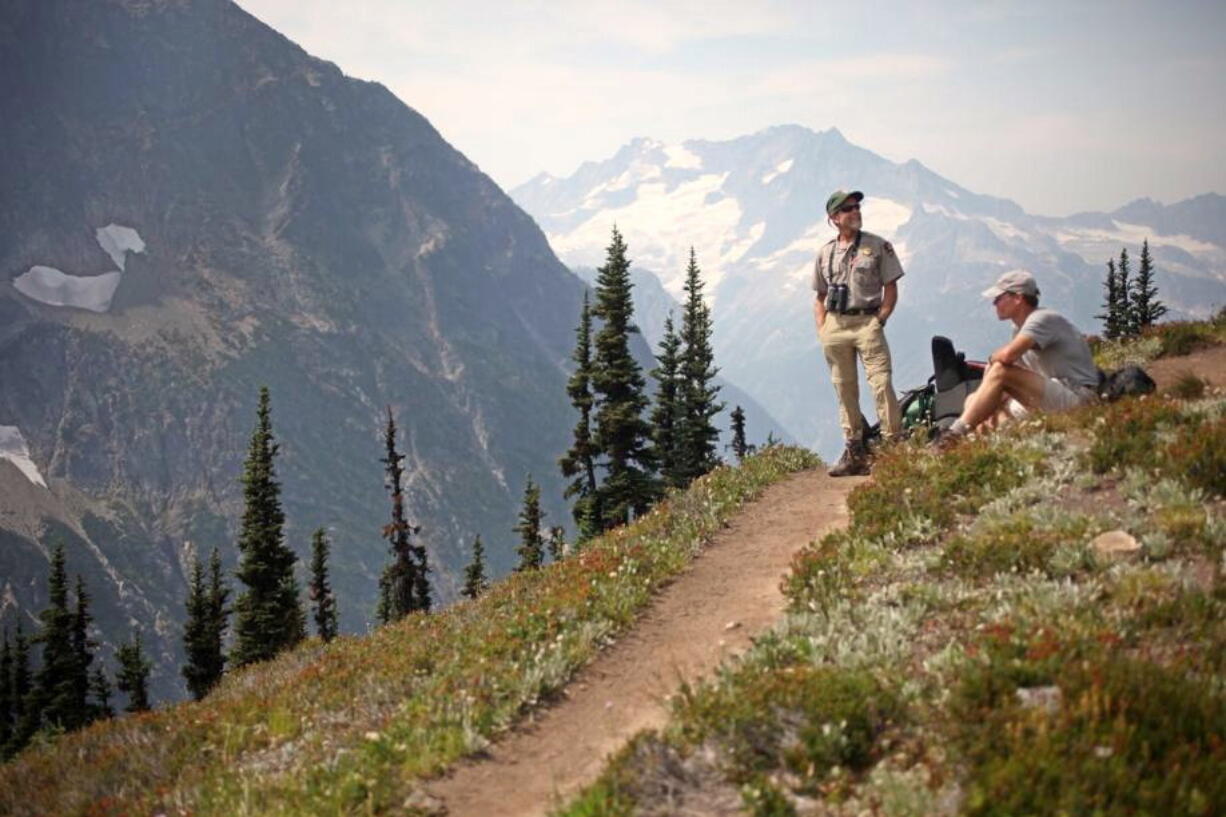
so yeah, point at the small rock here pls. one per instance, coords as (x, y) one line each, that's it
(1046, 698)
(1103, 752)
(425, 803)
(1116, 544)
(732, 625)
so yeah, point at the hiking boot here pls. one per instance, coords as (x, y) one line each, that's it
(853, 463)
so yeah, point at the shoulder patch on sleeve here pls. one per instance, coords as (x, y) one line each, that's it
(888, 247)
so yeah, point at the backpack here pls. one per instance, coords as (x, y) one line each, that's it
(1130, 381)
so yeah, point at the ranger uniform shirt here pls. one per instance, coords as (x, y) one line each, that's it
(873, 265)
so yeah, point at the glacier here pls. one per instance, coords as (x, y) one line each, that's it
(50, 286)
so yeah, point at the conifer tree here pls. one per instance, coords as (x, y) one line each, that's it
(697, 434)
(1111, 306)
(1146, 309)
(268, 614)
(100, 695)
(531, 548)
(26, 712)
(579, 463)
(475, 581)
(6, 693)
(399, 585)
(667, 413)
(55, 683)
(133, 678)
(622, 434)
(83, 654)
(739, 447)
(204, 631)
(557, 543)
(1123, 294)
(321, 590)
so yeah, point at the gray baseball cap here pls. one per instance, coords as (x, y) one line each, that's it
(1019, 281)
(838, 197)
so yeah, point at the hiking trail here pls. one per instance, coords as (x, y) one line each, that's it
(729, 594)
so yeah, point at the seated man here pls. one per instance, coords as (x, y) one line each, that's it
(1046, 367)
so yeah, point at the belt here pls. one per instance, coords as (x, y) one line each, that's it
(865, 311)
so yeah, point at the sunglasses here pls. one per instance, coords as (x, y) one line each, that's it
(849, 208)
(996, 300)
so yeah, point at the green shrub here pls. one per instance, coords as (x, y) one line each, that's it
(1188, 386)
(1198, 455)
(1124, 737)
(803, 719)
(1018, 542)
(1125, 433)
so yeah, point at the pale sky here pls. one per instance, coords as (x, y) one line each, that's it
(1059, 106)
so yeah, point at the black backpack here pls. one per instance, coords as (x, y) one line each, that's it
(1130, 381)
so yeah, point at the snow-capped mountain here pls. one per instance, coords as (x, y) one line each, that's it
(753, 208)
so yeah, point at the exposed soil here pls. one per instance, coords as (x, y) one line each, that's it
(729, 594)
(1207, 364)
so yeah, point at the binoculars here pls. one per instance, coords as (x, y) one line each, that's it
(837, 297)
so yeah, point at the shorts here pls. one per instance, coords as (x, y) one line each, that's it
(1057, 396)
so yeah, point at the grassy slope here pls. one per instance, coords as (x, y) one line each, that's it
(349, 727)
(963, 649)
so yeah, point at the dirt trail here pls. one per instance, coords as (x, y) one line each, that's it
(730, 593)
(1208, 364)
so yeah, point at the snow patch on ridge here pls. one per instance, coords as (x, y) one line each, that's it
(1125, 233)
(780, 169)
(50, 286)
(680, 157)
(884, 216)
(14, 449)
(117, 241)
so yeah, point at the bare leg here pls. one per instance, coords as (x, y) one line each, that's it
(999, 383)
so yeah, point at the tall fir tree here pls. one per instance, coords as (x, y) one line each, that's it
(1123, 295)
(667, 412)
(204, 632)
(83, 653)
(622, 435)
(55, 683)
(133, 678)
(697, 436)
(531, 548)
(6, 694)
(100, 694)
(399, 585)
(1145, 307)
(321, 590)
(26, 712)
(739, 447)
(475, 581)
(1110, 315)
(268, 614)
(579, 463)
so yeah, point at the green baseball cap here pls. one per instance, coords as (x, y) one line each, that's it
(838, 197)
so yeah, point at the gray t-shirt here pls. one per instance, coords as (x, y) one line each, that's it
(1061, 351)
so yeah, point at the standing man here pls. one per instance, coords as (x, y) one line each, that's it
(856, 281)
(1046, 367)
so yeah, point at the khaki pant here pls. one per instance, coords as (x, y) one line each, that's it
(842, 337)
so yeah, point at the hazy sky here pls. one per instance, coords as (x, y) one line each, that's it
(1060, 106)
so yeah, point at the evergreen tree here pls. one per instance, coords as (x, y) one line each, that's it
(100, 694)
(1146, 309)
(621, 434)
(400, 583)
(321, 591)
(739, 447)
(1123, 295)
(475, 581)
(666, 415)
(557, 543)
(83, 654)
(55, 683)
(1111, 306)
(205, 629)
(697, 435)
(531, 548)
(26, 712)
(268, 614)
(133, 679)
(6, 694)
(579, 463)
